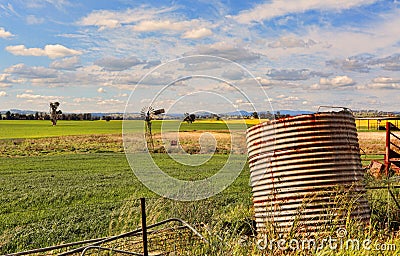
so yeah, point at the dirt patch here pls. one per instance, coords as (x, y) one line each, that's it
(374, 142)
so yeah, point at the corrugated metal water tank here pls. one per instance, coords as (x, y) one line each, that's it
(298, 164)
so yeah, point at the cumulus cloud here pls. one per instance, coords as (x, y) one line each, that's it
(294, 74)
(105, 19)
(383, 86)
(197, 33)
(118, 64)
(383, 83)
(110, 102)
(6, 80)
(70, 63)
(31, 72)
(277, 8)
(28, 96)
(264, 81)
(101, 90)
(155, 25)
(291, 42)
(359, 63)
(4, 33)
(51, 51)
(338, 81)
(365, 62)
(3, 94)
(385, 80)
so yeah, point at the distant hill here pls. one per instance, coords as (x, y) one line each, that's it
(294, 112)
(19, 111)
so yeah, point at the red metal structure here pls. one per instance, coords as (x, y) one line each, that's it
(392, 158)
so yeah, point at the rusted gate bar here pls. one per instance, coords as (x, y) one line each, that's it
(387, 147)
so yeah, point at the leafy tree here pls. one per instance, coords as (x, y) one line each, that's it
(54, 113)
(190, 118)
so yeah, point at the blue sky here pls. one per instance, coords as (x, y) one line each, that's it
(301, 54)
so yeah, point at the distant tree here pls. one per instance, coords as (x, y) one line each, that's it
(8, 115)
(190, 118)
(54, 113)
(37, 116)
(217, 117)
(254, 115)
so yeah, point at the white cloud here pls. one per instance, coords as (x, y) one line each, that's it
(155, 25)
(33, 20)
(277, 8)
(384, 86)
(51, 51)
(110, 102)
(28, 96)
(4, 33)
(197, 33)
(385, 80)
(338, 81)
(226, 50)
(59, 4)
(291, 42)
(105, 19)
(264, 81)
(118, 64)
(383, 83)
(70, 63)
(84, 100)
(25, 71)
(3, 94)
(6, 80)
(382, 38)
(101, 90)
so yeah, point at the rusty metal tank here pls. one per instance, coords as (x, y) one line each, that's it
(298, 167)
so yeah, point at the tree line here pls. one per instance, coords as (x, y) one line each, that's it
(45, 116)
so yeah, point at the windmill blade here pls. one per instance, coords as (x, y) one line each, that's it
(159, 111)
(146, 113)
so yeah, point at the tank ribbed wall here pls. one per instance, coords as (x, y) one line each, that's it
(297, 166)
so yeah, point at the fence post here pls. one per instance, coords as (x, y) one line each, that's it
(387, 151)
(144, 227)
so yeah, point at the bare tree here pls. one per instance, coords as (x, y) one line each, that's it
(54, 113)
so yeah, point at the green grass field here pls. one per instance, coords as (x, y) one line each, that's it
(50, 200)
(20, 129)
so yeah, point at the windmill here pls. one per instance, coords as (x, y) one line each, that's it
(148, 114)
(54, 113)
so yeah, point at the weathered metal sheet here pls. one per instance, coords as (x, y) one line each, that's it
(298, 165)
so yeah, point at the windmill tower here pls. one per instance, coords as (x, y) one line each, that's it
(148, 114)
